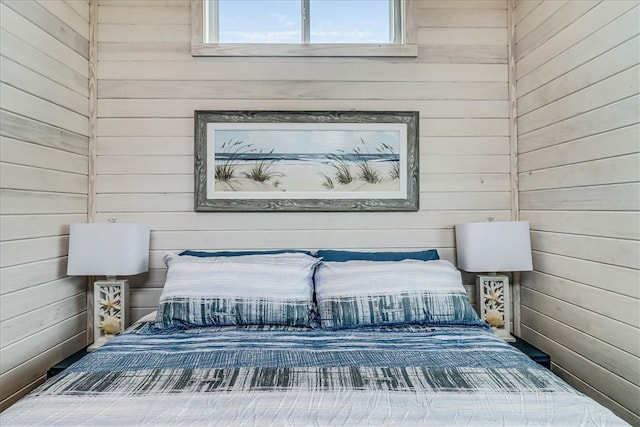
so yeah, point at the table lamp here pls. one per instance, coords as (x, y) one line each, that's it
(108, 249)
(491, 247)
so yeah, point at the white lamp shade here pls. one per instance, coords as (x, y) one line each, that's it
(108, 249)
(494, 246)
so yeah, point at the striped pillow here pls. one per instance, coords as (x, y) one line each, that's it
(368, 293)
(244, 290)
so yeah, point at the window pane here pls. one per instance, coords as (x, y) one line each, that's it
(350, 21)
(259, 21)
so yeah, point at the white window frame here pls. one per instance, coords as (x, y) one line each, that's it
(404, 39)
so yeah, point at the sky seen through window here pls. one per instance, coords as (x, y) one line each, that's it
(280, 21)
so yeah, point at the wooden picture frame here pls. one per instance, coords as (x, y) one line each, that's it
(306, 161)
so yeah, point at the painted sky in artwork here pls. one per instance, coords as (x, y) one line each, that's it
(309, 141)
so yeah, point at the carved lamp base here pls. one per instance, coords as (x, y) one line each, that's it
(493, 304)
(110, 300)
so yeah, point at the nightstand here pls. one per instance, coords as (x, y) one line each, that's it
(535, 354)
(61, 366)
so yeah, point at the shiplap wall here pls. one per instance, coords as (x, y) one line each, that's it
(149, 85)
(578, 141)
(43, 179)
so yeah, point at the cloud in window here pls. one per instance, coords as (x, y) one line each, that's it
(346, 36)
(289, 36)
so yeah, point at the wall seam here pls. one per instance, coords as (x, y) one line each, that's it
(93, 119)
(513, 151)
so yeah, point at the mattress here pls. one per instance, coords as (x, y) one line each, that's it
(454, 375)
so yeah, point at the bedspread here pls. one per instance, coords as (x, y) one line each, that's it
(230, 376)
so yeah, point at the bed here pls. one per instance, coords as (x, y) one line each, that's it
(288, 339)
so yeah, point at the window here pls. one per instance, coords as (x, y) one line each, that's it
(302, 21)
(303, 28)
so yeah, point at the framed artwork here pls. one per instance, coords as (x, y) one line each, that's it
(306, 161)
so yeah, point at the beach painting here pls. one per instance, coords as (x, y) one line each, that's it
(306, 161)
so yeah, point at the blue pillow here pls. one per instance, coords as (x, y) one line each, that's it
(204, 254)
(342, 256)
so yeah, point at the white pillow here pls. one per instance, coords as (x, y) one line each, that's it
(366, 277)
(369, 293)
(242, 290)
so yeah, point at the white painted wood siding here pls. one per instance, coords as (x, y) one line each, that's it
(577, 85)
(43, 186)
(149, 85)
(579, 168)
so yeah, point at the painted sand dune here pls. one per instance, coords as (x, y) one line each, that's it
(308, 176)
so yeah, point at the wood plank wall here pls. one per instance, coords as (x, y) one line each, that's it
(578, 141)
(578, 152)
(149, 85)
(43, 153)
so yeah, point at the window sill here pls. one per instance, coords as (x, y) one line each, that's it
(302, 50)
